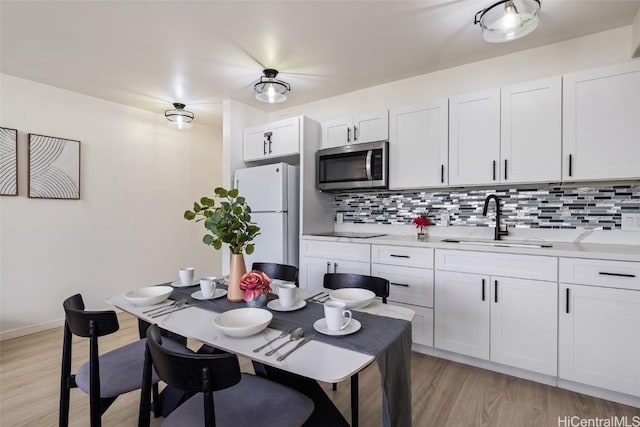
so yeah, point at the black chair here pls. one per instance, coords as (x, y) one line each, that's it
(104, 377)
(278, 271)
(377, 285)
(221, 394)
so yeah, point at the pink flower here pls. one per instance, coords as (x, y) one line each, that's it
(254, 283)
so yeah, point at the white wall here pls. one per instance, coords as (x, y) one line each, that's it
(138, 176)
(604, 48)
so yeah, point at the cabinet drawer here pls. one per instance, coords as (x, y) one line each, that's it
(612, 274)
(522, 266)
(335, 250)
(421, 325)
(402, 255)
(409, 285)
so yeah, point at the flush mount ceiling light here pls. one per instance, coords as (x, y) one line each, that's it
(269, 89)
(508, 20)
(179, 118)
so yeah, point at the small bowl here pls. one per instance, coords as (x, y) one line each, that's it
(243, 322)
(149, 295)
(353, 297)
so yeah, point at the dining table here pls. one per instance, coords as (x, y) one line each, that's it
(384, 337)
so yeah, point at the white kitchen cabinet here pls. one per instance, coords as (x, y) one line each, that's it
(418, 146)
(508, 320)
(599, 323)
(601, 123)
(474, 138)
(272, 140)
(421, 325)
(362, 128)
(531, 131)
(321, 257)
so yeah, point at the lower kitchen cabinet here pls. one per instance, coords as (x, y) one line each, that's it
(320, 257)
(421, 325)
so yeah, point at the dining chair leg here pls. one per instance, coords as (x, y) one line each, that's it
(334, 386)
(354, 400)
(65, 378)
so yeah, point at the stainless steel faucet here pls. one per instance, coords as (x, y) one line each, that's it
(498, 214)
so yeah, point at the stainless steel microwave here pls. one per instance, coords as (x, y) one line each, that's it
(355, 166)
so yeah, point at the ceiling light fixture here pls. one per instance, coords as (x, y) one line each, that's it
(508, 20)
(179, 118)
(269, 89)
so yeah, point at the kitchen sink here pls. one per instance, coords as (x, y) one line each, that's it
(499, 243)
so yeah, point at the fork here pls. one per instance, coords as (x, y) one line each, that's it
(161, 308)
(282, 335)
(179, 304)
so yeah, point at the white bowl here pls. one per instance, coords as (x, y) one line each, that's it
(353, 297)
(149, 295)
(243, 322)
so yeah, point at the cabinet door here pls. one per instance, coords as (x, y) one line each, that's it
(418, 146)
(285, 138)
(599, 337)
(601, 123)
(336, 133)
(353, 267)
(421, 325)
(474, 138)
(371, 127)
(312, 271)
(462, 313)
(531, 131)
(255, 144)
(524, 324)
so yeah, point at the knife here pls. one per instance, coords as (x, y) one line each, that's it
(300, 344)
(312, 297)
(173, 310)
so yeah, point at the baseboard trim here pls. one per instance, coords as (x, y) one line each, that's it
(601, 393)
(31, 329)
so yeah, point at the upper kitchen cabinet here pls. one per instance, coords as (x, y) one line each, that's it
(602, 123)
(418, 146)
(359, 129)
(272, 140)
(531, 132)
(474, 138)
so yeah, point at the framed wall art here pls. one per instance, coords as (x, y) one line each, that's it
(8, 162)
(54, 167)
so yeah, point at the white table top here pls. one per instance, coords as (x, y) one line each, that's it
(316, 360)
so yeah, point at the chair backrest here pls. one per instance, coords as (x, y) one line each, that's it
(81, 322)
(278, 271)
(193, 373)
(377, 285)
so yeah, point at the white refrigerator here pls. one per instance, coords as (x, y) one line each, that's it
(272, 192)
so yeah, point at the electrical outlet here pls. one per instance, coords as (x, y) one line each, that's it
(339, 217)
(444, 219)
(631, 222)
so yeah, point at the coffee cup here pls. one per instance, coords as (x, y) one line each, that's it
(208, 286)
(287, 294)
(336, 315)
(186, 276)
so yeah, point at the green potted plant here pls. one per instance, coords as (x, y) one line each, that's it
(229, 222)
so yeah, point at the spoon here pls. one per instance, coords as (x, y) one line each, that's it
(295, 335)
(282, 335)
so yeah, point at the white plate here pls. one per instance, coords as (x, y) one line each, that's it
(217, 294)
(178, 283)
(353, 297)
(148, 296)
(243, 322)
(320, 325)
(275, 305)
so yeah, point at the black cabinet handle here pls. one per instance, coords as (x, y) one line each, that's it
(494, 170)
(442, 174)
(570, 164)
(399, 256)
(355, 133)
(483, 291)
(604, 273)
(495, 290)
(270, 145)
(348, 134)
(405, 285)
(335, 267)
(328, 267)
(264, 147)
(567, 298)
(505, 169)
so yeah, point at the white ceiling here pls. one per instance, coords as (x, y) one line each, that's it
(149, 54)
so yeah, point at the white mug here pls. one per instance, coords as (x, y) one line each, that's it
(287, 294)
(335, 314)
(208, 286)
(186, 276)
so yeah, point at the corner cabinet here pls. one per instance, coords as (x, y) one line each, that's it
(599, 324)
(272, 140)
(320, 257)
(362, 128)
(601, 123)
(418, 146)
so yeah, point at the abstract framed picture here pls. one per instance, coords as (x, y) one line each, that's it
(8, 162)
(54, 167)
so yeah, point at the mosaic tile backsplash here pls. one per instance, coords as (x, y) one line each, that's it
(554, 207)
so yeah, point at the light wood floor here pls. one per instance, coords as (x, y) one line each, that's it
(444, 393)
